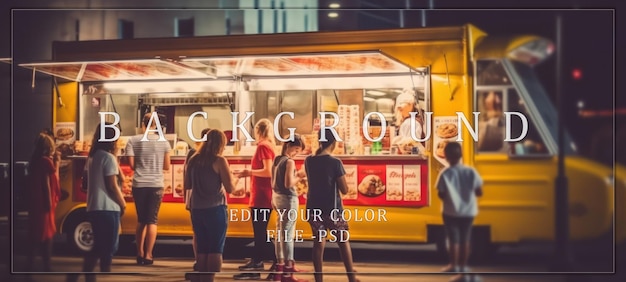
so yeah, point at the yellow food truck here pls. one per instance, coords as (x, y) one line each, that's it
(392, 195)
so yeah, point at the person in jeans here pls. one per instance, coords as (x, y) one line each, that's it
(260, 199)
(43, 196)
(187, 191)
(327, 178)
(458, 187)
(105, 202)
(148, 158)
(285, 200)
(206, 174)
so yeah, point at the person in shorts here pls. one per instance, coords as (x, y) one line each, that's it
(458, 187)
(208, 175)
(326, 179)
(187, 191)
(148, 157)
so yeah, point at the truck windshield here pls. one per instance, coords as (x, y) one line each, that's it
(504, 86)
(544, 113)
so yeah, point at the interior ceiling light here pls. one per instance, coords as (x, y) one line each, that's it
(334, 5)
(333, 14)
(376, 93)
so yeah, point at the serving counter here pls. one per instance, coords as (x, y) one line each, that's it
(374, 180)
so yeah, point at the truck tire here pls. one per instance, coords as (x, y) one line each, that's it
(79, 232)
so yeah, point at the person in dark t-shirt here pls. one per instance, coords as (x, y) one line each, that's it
(326, 178)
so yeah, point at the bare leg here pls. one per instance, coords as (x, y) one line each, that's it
(214, 264)
(193, 244)
(318, 256)
(89, 264)
(140, 235)
(151, 234)
(464, 254)
(202, 260)
(454, 255)
(346, 255)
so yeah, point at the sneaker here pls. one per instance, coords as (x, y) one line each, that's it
(247, 276)
(251, 265)
(195, 266)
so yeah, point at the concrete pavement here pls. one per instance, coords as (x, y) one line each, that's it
(173, 269)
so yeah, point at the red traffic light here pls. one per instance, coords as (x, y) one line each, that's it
(577, 74)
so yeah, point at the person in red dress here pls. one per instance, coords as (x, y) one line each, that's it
(43, 198)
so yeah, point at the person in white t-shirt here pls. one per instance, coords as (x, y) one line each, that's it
(105, 202)
(459, 186)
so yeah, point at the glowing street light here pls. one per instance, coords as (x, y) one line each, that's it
(333, 14)
(334, 5)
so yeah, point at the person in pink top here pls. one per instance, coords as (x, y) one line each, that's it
(260, 199)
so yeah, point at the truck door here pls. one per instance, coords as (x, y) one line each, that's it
(518, 176)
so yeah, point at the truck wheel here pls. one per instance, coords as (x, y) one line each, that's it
(79, 232)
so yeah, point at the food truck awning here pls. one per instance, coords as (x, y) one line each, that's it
(330, 64)
(5, 60)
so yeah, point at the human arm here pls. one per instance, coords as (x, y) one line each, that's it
(221, 165)
(340, 181)
(166, 161)
(342, 185)
(266, 154)
(115, 192)
(130, 154)
(266, 171)
(478, 184)
(111, 174)
(291, 175)
(442, 188)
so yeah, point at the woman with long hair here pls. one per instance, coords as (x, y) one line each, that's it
(207, 172)
(187, 190)
(105, 201)
(44, 195)
(326, 178)
(285, 200)
(260, 199)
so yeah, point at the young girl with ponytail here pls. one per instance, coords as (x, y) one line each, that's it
(285, 200)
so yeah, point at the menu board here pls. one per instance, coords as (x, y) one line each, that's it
(168, 182)
(352, 181)
(387, 185)
(446, 131)
(178, 178)
(393, 183)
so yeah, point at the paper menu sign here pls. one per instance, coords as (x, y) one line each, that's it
(445, 130)
(352, 182)
(394, 182)
(179, 180)
(240, 183)
(411, 175)
(168, 182)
